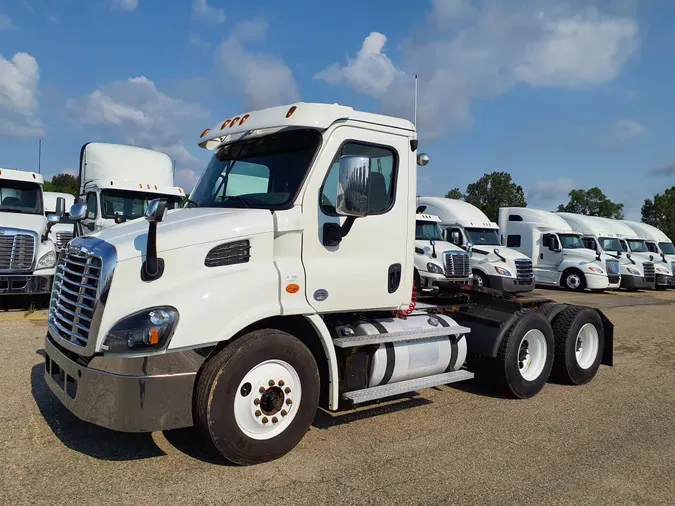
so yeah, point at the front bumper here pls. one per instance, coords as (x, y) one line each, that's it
(124, 394)
(25, 285)
(636, 282)
(510, 285)
(665, 281)
(600, 282)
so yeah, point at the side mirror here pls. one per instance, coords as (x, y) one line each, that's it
(120, 219)
(153, 267)
(60, 207)
(78, 211)
(468, 246)
(455, 238)
(52, 219)
(352, 188)
(155, 211)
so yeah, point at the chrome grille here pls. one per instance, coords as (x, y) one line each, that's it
(613, 271)
(457, 264)
(74, 296)
(62, 238)
(17, 250)
(650, 271)
(524, 271)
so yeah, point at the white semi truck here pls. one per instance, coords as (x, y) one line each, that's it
(117, 181)
(598, 235)
(285, 284)
(63, 231)
(636, 250)
(492, 265)
(557, 251)
(657, 242)
(27, 254)
(438, 263)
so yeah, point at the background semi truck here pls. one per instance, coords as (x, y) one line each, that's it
(117, 182)
(598, 235)
(492, 265)
(27, 255)
(63, 231)
(438, 263)
(557, 251)
(244, 311)
(657, 242)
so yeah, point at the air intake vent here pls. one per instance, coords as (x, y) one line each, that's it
(237, 252)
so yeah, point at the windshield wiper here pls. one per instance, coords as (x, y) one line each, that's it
(238, 199)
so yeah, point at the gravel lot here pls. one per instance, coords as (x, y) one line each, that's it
(609, 442)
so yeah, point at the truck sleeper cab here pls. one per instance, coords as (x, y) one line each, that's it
(438, 263)
(466, 226)
(285, 284)
(558, 254)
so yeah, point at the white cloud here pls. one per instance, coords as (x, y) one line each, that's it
(550, 192)
(5, 22)
(53, 18)
(70, 172)
(125, 5)
(489, 48)
(202, 11)
(19, 78)
(262, 79)
(197, 41)
(143, 114)
(628, 129)
(186, 179)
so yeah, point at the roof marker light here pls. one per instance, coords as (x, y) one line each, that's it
(234, 121)
(244, 118)
(291, 111)
(205, 132)
(224, 125)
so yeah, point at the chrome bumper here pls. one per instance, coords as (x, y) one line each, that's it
(25, 285)
(125, 394)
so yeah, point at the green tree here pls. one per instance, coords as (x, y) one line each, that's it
(455, 193)
(660, 212)
(592, 202)
(63, 183)
(493, 191)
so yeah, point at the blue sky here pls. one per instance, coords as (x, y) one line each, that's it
(562, 94)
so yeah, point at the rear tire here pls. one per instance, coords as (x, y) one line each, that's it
(255, 400)
(579, 345)
(525, 356)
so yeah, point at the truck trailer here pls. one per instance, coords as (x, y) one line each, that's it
(255, 304)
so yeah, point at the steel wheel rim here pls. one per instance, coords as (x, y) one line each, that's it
(573, 281)
(532, 353)
(267, 399)
(586, 346)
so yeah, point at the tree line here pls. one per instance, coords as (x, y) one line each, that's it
(497, 189)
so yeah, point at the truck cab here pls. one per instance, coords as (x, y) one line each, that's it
(118, 181)
(637, 251)
(657, 242)
(557, 251)
(63, 231)
(466, 226)
(27, 254)
(437, 263)
(598, 235)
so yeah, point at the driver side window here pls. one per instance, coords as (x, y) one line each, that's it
(91, 206)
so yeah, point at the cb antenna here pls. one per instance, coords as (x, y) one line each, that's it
(415, 122)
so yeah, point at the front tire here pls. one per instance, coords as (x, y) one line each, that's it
(574, 281)
(480, 279)
(256, 399)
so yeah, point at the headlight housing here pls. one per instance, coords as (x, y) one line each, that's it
(146, 330)
(503, 272)
(435, 269)
(661, 270)
(632, 271)
(595, 270)
(47, 260)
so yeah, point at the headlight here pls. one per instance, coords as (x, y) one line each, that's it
(662, 270)
(596, 270)
(146, 330)
(632, 271)
(47, 260)
(434, 268)
(502, 272)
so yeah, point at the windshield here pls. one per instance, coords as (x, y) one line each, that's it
(610, 244)
(20, 197)
(569, 241)
(667, 248)
(427, 231)
(637, 246)
(485, 236)
(131, 205)
(264, 172)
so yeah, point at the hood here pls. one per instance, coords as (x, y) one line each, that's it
(586, 255)
(35, 222)
(441, 246)
(487, 252)
(186, 227)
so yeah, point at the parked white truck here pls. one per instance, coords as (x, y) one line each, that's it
(438, 263)
(286, 287)
(636, 250)
(469, 228)
(598, 235)
(657, 242)
(557, 251)
(117, 181)
(63, 231)
(27, 255)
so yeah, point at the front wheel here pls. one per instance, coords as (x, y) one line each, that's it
(480, 279)
(574, 281)
(256, 398)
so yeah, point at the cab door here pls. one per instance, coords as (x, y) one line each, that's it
(550, 257)
(368, 268)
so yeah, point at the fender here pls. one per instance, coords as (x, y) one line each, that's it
(327, 341)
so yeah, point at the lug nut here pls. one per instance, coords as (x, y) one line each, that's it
(289, 402)
(281, 383)
(287, 390)
(270, 383)
(275, 419)
(265, 420)
(284, 412)
(258, 412)
(261, 390)
(256, 401)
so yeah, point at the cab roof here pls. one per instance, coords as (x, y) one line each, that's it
(21, 175)
(427, 217)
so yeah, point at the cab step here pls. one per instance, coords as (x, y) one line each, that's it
(402, 387)
(393, 337)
